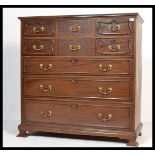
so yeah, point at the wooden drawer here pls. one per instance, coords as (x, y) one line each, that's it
(78, 113)
(78, 87)
(76, 65)
(38, 27)
(115, 46)
(121, 26)
(38, 47)
(82, 47)
(74, 28)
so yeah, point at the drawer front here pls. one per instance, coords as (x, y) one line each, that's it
(116, 26)
(38, 28)
(119, 46)
(82, 47)
(78, 87)
(78, 113)
(74, 28)
(78, 66)
(38, 47)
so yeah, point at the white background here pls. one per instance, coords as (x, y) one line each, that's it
(11, 59)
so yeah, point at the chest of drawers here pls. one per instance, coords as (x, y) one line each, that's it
(82, 75)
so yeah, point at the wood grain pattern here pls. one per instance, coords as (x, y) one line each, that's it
(125, 44)
(42, 47)
(29, 25)
(86, 87)
(76, 113)
(81, 75)
(78, 65)
(104, 26)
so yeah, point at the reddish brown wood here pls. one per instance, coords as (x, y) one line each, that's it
(38, 47)
(79, 55)
(76, 113)
(125, 46)
(133, 142)
(79, 87)
(22, 133)
(84, 16)
(33, 27)
(86, 47)
(115, 26)
(74, 28)
(79, 65)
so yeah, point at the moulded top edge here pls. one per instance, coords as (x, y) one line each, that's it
(85, 16)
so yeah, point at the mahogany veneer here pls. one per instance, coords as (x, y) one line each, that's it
(82, 75)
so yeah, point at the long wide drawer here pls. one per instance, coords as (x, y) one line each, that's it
(78, 113)
(78, 87)
(77, 65)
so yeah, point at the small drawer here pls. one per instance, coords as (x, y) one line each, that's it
(78, 87)
(115, 46)
(83, 47)
(74, 28)
(38, 47)
(78, 113)
(38, 27)
(76, 65)
(121, 26)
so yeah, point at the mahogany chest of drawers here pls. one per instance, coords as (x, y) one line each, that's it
(82, 75)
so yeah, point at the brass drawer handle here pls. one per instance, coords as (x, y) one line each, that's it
(114, 48)
(41, 47)
(105, 68)
(74, 28)
(46, 68)
(105, 92)
(114, 27)
(74, 47)
(48, 114)
(105, 117)
(38, 29)
(43, 89)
